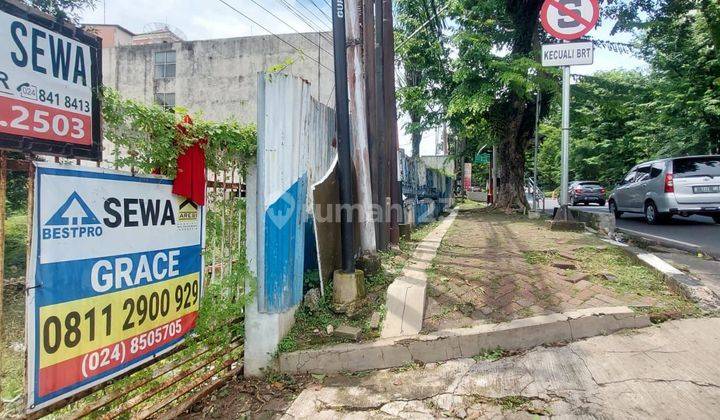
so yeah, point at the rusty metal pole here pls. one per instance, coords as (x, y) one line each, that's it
(358, 121)
(381, 139)
(391, 127)
(3, 190)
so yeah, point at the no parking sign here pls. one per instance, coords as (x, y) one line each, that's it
(569, 19)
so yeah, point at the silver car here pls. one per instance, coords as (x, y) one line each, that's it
(677, 186)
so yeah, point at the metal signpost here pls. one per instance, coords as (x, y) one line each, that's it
(568, 20)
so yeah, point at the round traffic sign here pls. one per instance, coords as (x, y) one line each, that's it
(569, 19)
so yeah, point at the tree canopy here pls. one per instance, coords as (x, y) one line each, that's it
(618, 117)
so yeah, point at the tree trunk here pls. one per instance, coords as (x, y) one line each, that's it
(516, 136)
(516, 131)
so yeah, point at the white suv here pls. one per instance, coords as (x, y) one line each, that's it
(678, 186)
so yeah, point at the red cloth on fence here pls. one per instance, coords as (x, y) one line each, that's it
(190, 179)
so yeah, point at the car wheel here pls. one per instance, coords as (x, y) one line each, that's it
(614, 210)
(653, 216)
(716, 219)
(602, 203)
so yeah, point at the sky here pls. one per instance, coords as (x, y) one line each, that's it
(207, 19)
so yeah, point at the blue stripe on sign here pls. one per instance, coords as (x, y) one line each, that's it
(284, 238)
(70, 280)
(101, 175)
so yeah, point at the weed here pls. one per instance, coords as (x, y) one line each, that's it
(491, 355)
(539, 257)
(407, 367)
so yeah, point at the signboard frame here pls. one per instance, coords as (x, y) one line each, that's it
(588, 25)
(572, 61)
(33, 309)
(29, 144)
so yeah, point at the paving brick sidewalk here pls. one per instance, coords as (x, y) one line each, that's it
(494, 267)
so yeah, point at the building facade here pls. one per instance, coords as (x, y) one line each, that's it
(217, 77)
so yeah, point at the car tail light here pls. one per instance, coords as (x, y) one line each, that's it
(602, 190)
(669, 183)
(578, 190)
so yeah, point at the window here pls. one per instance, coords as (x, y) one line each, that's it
(657, 169)
(629, 178)
(643, 173)
(164, 64)
(165, 99)
(697, 167)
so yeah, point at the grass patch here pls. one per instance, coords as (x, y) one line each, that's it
(421, 232)
(491, 355)
(310, 328)
(15, 245)
(539, 257)
(514, 403)
(631, 278)
(13, 363)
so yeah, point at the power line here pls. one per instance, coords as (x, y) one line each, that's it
(321, 10)
(321, 18)
(291, 27)
(430, 19)
(274, 34)
(312, 24)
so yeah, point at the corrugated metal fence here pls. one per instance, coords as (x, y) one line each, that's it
(295, 149)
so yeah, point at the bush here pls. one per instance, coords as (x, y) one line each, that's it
(15, 245)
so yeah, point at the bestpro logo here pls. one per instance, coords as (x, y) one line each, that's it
(73, 219)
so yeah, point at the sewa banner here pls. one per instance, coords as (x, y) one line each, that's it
(50, 76)
(115, 277)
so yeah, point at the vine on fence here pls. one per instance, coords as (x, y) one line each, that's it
(147, 138)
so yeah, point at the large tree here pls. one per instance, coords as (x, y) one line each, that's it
(424, 54)
(64, 9)
(497, 76)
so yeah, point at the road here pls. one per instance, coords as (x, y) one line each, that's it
(669, 371)
(696, 232)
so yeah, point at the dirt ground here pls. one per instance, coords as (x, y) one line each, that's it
(12, 349)
(254, 398)
(495, 267)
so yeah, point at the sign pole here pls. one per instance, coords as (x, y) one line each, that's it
(565, 137)
(535, 162)
(3, 187)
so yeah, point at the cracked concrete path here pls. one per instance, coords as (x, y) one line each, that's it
(667, 371)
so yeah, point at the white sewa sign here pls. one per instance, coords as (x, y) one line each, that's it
(568, 54)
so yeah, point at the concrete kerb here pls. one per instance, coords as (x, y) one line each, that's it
(463, 342)
(642, 238)
(601, 222)
(406, 295)
(676, 280)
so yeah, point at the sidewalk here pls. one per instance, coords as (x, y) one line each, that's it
(493, 267)
(669, 371)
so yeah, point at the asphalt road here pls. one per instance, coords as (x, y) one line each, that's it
(696, 231)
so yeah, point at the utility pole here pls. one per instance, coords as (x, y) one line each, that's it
(381, 139)
(535, 159)
(343, 138)
(391, 128)
(358, 114)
